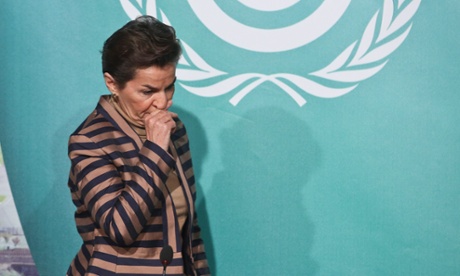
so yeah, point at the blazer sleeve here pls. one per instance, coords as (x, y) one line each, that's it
(119, 200)
(198, 250)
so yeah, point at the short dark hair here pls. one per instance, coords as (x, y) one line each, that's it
(141, 43)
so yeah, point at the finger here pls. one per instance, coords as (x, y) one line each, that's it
(174, 115)
(158, 119)
(154, 116)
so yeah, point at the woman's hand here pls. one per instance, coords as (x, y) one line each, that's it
(159, 125)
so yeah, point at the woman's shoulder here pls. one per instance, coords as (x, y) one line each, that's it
(96, 122)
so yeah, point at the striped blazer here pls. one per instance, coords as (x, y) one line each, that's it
(124, 211)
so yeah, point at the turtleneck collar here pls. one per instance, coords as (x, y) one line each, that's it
(139, 129)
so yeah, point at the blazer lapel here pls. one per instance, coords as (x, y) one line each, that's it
(185, 184)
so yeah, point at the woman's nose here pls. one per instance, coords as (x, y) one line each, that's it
(161, 101)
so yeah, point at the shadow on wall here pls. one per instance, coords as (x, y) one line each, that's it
(259, 222)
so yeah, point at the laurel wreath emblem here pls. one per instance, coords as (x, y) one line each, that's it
(364, 58)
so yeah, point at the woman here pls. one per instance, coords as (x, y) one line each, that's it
(131, 175)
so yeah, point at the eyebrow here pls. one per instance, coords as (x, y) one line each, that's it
(156, 89)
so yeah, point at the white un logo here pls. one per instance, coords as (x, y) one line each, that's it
(367, 55)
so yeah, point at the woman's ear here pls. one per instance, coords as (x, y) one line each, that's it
(110, 83)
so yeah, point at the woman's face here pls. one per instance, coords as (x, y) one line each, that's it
(151, 88)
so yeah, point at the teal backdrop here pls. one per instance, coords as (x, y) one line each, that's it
(359, 180)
